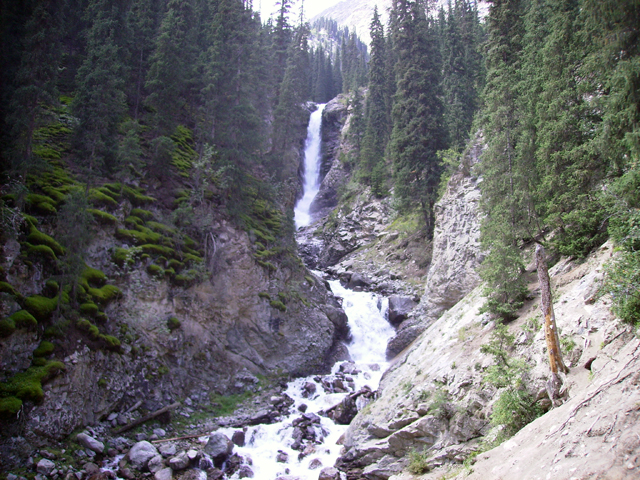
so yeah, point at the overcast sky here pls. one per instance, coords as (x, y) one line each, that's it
(311, 8)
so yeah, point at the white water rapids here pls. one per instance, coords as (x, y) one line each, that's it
(370, 331)
(311, 184)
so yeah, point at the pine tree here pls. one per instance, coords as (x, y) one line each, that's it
(99, 104)
(372, 165)
(418, 131)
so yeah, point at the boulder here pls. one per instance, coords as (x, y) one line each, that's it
(245, 472)
(330, 473)
(358, 280)
(238, 438)
(167, 449)
(399, 308)
(403, 339)
(45, 466)
(89, 442)
(179, 462)
(194, 474)
(140, 454)
(156, 464)
(219, 447)
(164, 474)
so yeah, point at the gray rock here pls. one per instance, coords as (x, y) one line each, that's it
(238, 438)
(156, 464)
(45, 466)
(88, 441)
(140, 454)
(167, 449)
(315, 464)
(245, 471)
(91, 468)
(179, 462)
(399, 308)
(194, 474)
(403, 339)
(159, 432)
(329, 473)
(358, 280)
(164, 474)
(141, 437)
(219, 447)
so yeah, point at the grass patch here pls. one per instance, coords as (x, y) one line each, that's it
(225, 405)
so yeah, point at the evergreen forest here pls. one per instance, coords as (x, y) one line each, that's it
(103, 100)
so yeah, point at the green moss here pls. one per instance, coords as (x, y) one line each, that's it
(132, 221)
(153, 237)
(31, 220)
(40, 307)
(103, 218)
(99, 198)
(111, 342)
(34, 199)
(101, 317)
(123, 256)
(188, 241)
(10, 406)
(173, 323)
(39, 362)
(141, 213)
(192, 258)
(8, 288)
(175, 264)
(40, 251)
(56, 194)
(27, 385)
(185, 279)
(155, 270)
(44, 349)
(277, 304)
(51, 288)
(111, 190)
(135, 196)
(264, 295)
(36, 237)
(7, 327)
(89, 308)
(139, 236)
(44, 209)
(102, 382)
(162, 228)
(268, 265)
(184, 154)
(92, 277)
(169, 272)
(88, 327)
(158, 250)
(46, 152)
(105, 294)
(23, 319)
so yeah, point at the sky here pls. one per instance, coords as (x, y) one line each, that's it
(311, 8)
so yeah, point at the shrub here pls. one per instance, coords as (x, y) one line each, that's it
(418, 462)
(514, 409)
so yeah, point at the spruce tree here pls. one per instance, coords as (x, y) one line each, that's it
(418, 132)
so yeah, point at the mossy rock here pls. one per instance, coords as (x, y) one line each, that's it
(57, 194)
(277, 304)
(103, 218)
(7, 327)
(33, 221)
(44, 349)
(105, 294)
(89, 308)
(92, 277)
(158, 250)
(44, 209)
(40, 251)
(169, 272)
(35, 198)
(8, 288)
(189, 242)
(132, 221)
(136, 197)
(268, 265)
(188, 257)
(155, 270)
(101, 317)
(123, 256)
(51, 288)
(141, 213)
(264, 295)
(36, 237)
(88, 327)
(138, 237)
(162, 228)
(27, 385)
(99, 198)
(111, 342)
(173, 323)
(10, 406)
(40, 307)
(114, 188)
(175, 264)
(23, 319)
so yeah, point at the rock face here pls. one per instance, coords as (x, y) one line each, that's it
(456, 240)
(434, 399)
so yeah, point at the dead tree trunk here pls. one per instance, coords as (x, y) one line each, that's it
(546, 305)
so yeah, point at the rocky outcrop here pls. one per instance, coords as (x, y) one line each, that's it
(456, 240)
(434, 400)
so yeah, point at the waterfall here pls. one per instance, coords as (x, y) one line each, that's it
(370, 331)
(312, 161)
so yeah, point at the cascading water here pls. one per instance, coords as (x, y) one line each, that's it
(311, 183)
(272, 448)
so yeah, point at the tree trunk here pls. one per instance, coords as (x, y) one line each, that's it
(550, 329)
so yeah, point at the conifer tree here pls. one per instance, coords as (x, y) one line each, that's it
(418, 132)
(372, 165)
(100, 100)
